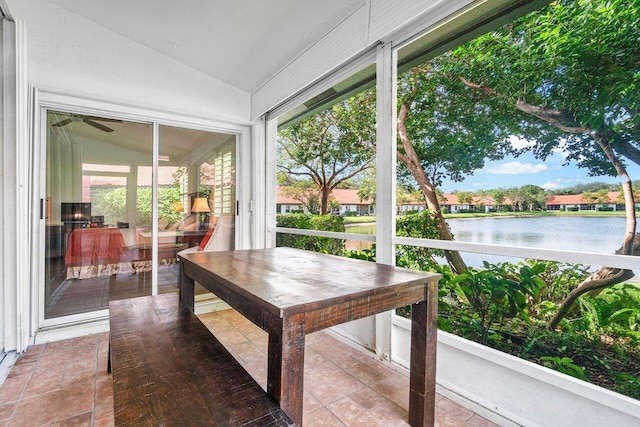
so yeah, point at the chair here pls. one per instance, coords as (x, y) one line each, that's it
(221, 238)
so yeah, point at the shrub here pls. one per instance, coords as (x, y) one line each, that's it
(311, 222)
(419, 225)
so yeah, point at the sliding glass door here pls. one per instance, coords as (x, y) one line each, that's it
(116, 215)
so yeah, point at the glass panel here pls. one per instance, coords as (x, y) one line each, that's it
(519, 138)
(326, 167)
(98, 207)
(196, 197)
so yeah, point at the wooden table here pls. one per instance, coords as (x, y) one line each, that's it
(290, 293)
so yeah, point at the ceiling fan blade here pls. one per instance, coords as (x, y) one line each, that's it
(103, 119)
(62, 122)
(97, 125)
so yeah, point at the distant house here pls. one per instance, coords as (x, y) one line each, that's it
(347, 198)
(576, 202)
(478, 204)
(451, 203)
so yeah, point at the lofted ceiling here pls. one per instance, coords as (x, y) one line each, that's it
(241, 42)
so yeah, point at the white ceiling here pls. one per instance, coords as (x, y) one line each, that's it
(241, 42)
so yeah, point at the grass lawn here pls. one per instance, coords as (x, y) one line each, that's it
(359, 219)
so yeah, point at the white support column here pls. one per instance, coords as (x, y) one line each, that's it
(271, 132)
(17, 264)
(258, 203)
(386, 179)
(155, 153)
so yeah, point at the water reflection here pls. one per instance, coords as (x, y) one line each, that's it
(575, 233)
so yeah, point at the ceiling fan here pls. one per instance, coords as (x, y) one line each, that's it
(90, 120)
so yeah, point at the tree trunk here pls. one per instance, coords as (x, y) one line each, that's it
(606, 276)
(324, 200)
(410, 159)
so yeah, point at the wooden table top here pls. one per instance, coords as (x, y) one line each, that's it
(285, 281)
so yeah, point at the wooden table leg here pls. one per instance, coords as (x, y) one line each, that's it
(422, 383)
(285, 373)
(187, 288)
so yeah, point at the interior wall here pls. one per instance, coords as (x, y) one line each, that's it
(68, 53)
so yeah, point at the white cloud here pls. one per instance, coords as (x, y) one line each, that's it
(519, 143)
(551, 186)
(516, 168)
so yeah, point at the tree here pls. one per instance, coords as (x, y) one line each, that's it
(305, 192)
(499, 198)
(331, 146)
(367, 186)
(465, 197)
(534, 197)
(572, 67)
(444, 131)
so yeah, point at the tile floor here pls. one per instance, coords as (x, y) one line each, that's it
(65, 383)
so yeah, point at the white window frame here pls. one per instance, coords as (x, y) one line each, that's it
(385, 238)
(43, 329)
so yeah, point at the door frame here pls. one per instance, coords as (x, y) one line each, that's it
(43, 330)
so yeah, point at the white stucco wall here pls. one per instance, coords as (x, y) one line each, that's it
(68, 53)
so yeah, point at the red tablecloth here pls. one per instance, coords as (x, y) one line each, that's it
(94, 246)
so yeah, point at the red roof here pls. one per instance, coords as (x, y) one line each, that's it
(576, 199)
(344, 197)
(452, 200)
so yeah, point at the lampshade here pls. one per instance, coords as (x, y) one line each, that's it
(200, 205)
(177, 207)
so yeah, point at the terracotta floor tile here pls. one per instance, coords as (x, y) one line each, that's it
(394, 387)
(456, 410)
(55, 406)
(6, 411)
(103, 416)
(82, 420)
(65, 383)
(247, 351)
(352, 414)
(310, 404)
(330, 384)
(22, 369)
(382, 411)
(321, 418)
(13, 388)
(260, 339)
(478, 421)
(44, 381)
(258, 370)
(316, 361)
(229, 336)
(31, 355)
(366, 370)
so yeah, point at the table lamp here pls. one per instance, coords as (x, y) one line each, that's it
(200, 206)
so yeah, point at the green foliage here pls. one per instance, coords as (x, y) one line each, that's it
(331, 146)
(577, 58)
(564, 365)
(363, 254)
(421, 225)
(615, 311)
(495, 294)
(112, 203)
(311, 222)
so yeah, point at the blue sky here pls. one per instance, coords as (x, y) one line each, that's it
(526, 169)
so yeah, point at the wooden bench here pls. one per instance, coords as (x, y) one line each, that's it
(169, 370)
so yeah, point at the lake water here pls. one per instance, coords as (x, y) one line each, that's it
(577, 233)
